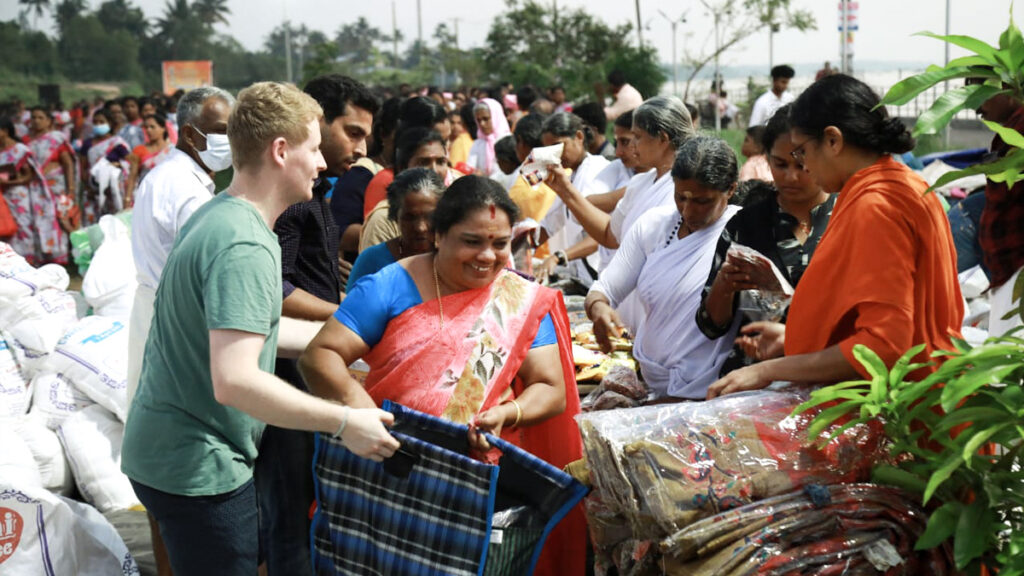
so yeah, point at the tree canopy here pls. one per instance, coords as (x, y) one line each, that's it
(529, 43)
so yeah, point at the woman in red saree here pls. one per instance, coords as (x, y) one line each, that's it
(454, 334)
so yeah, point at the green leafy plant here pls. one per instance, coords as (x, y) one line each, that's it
(938, 427)
(956, 435)
(1002, 69)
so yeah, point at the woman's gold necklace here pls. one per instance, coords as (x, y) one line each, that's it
(437, 287)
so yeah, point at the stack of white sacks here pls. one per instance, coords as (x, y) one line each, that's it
(63, 403)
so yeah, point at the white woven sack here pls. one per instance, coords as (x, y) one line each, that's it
(54, 472)
(14, 391)
(42, 533)
(92, 441)
(54, 399)
(109, 284)
(32, 325)
(93, 355)
(19, 278)
(17, 466)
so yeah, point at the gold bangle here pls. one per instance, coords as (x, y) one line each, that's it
(519, 413)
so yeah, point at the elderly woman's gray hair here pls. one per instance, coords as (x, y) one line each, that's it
(667, 115)
(422, 180)
(709, 161)
(191, 104)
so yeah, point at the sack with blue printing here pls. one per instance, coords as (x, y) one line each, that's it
(32, 325)
(93, 355)
(55, 399)
(14, 391)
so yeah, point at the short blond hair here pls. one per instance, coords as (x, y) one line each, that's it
(265, 111)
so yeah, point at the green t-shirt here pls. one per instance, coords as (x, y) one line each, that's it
(224, 272)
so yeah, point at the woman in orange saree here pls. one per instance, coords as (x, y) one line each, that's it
(454, 334)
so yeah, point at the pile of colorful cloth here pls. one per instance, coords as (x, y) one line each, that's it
(684, 489)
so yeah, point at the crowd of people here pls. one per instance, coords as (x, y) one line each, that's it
(379, 225)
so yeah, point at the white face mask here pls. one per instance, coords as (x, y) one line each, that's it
(217, 155)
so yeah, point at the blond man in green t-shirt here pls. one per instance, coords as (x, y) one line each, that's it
(207, 386)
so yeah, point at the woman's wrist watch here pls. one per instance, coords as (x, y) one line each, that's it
(562, 258)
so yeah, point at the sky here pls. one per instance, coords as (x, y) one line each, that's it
(885, 34)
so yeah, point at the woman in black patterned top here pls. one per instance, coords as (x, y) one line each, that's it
(785, 227)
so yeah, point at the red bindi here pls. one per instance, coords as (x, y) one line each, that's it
(492, 211)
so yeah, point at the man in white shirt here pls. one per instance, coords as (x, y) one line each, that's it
(766, 105)
(626, 97)
(165, 199)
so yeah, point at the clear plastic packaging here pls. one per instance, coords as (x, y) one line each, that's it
(842, 529)
(771, 300)
(663, 467)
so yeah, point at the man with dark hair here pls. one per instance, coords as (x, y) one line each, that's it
(312, 285)
(557, 96)
(526, 96)
(508, 160)
(766, 105)
(626, 96)
(593, 116)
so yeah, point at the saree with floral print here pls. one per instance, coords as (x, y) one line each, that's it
(469, 363)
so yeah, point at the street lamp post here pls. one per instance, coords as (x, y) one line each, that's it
(715, 81)
(675, 67)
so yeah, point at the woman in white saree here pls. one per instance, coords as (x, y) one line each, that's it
(664, 259)
(660, 126)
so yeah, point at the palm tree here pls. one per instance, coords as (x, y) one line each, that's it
(123, 15)
(37, 6)
(211, 12)
(180, 29)
(66, 11)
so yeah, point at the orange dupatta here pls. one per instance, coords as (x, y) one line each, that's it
(467, 366)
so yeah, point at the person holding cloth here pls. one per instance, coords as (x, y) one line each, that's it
(207, 386)
(884, 273)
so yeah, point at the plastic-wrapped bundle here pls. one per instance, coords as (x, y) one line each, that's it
(840, 529)
(664, 467)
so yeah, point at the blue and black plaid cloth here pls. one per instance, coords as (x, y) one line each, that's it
(429, 510)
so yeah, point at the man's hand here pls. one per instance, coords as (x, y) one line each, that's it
(365, 434)
(763, 340)
(344, 269)
(747, 378)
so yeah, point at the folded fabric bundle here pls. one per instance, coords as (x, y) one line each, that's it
(659, 469)
(839, 529)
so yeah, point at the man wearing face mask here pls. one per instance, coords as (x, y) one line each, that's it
(164, 200)
(309, 239)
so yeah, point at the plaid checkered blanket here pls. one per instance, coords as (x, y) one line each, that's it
(432, 509)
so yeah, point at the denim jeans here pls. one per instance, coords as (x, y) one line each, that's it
(215, 535)
(284, 482)
(964, 218)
